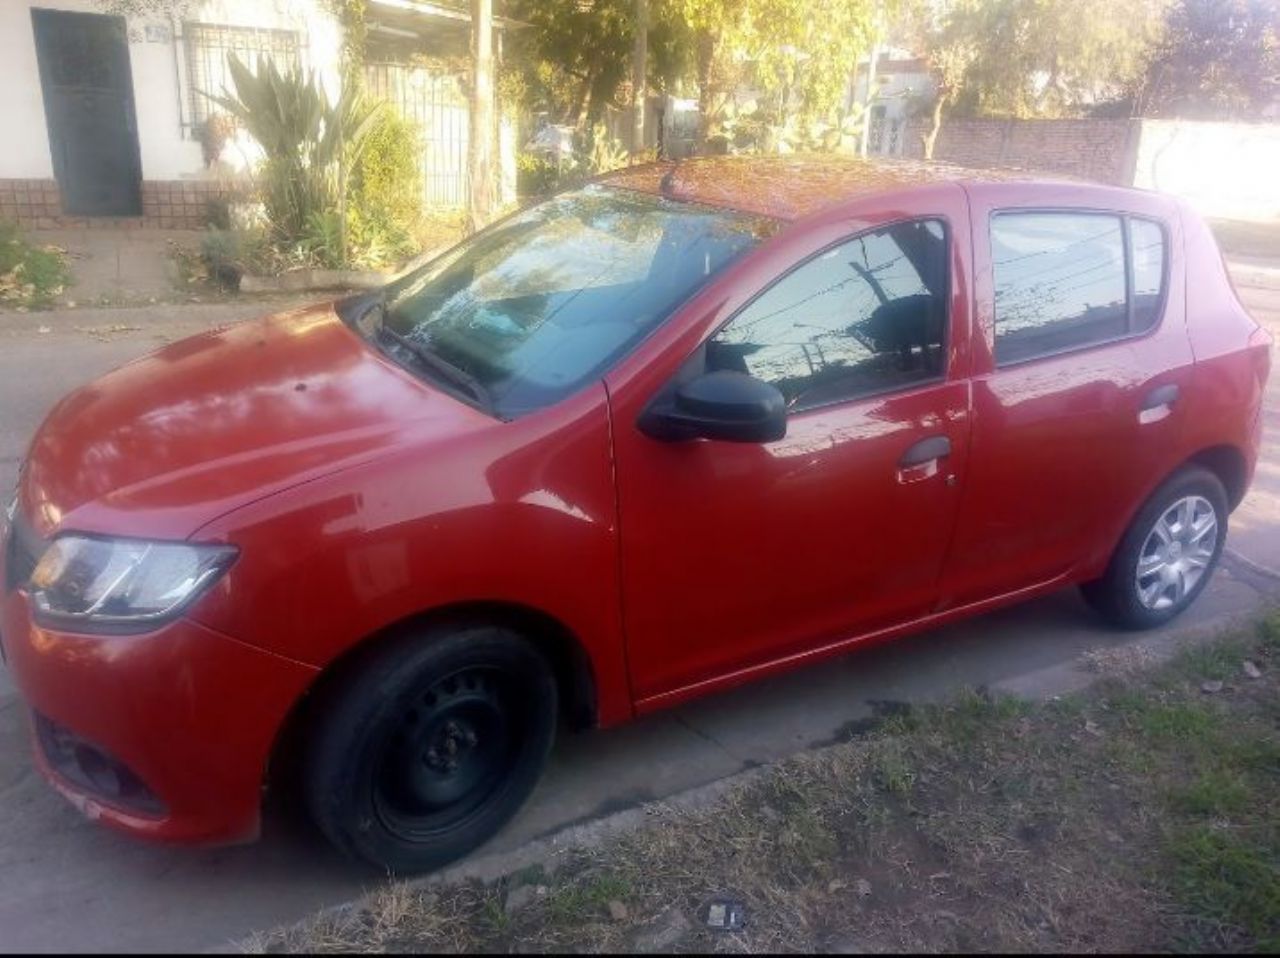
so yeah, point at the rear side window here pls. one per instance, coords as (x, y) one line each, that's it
(1068, 280)
(1147, 240)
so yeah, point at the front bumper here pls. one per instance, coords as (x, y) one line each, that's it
(190, 712)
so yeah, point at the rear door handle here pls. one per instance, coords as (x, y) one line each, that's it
(1156, 405)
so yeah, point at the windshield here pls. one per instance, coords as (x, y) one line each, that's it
(531, 309)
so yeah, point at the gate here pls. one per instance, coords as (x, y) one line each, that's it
(435, 103)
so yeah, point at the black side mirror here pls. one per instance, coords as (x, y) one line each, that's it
(719, 405)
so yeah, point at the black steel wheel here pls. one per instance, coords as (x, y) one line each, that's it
(430, 746)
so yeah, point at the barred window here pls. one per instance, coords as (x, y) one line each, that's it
(208, 46)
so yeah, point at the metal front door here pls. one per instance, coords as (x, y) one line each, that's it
(88, 104)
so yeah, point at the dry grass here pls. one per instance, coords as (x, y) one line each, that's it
(1139, 816)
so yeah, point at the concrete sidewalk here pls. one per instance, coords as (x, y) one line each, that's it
(116, 266)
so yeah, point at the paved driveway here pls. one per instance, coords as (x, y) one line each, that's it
(68, 885)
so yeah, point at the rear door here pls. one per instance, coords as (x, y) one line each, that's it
(1081, 358)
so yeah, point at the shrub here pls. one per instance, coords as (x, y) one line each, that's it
(536, 174)
(308, 141)
(29, 275)
(384, 202)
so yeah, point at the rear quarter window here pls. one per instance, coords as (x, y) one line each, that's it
(1067, 280)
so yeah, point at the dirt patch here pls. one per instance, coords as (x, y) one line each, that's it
(1141, 815)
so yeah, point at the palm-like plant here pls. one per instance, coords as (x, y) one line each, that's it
(309, 143)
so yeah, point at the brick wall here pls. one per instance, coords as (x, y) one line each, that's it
(166, 204)
(1095, 149)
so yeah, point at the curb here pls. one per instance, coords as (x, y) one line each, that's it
(544, 851)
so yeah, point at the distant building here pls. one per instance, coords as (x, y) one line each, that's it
(904, 88)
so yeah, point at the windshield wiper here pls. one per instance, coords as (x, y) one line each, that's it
(441, 367)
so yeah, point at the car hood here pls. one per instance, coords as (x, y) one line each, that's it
(168, 442)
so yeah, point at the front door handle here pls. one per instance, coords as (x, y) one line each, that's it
(921, 459)
(1158, 403)
(925, 451)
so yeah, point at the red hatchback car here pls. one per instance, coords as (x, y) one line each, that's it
(681, 428)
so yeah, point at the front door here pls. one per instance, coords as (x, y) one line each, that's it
(738, 555)
(88, 105)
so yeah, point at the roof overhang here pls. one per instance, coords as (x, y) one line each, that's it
(441, 11)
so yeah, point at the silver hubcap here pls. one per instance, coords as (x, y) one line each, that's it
(1177, 552)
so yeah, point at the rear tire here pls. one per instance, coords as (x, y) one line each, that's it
(1167, 555)
(430, 747)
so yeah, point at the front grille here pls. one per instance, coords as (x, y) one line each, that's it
(21, 553)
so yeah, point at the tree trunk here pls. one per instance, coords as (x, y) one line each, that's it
(582, 102)
(706, 51)
(931, 137)
(480, 148)
(639, 69)
(869, 98)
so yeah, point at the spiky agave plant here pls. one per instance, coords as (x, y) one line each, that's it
(309, 143)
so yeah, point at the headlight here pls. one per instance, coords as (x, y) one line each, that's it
(87, 584)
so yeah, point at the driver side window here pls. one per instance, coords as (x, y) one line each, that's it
(864, 317)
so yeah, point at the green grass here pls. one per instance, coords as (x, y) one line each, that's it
(29, 275)
(1230, 879)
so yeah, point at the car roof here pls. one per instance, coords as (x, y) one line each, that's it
(789, 187)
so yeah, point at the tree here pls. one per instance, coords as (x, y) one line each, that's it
(575, 54)
(1032, 58)
(482, 120)
(799, 53)
(1219, 59)
(949, 61)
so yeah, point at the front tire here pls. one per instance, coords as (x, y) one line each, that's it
(429, 748)
(1167, 555)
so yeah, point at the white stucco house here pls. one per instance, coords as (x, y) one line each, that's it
(106, 124)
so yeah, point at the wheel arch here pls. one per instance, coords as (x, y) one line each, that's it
(1225, 461)
(1228, 463)
(564, 651)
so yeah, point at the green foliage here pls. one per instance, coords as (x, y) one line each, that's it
(224, 256)
(29, 275)
(536, 174)
(310, 146)
(575, 54)
(594, 152)
(351, 14)
(750, 128)
(1036, 58)
(798, 53)
(384, 205)
(1219, 59)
